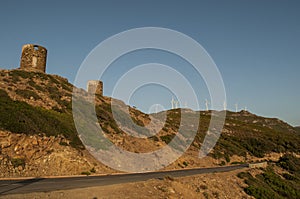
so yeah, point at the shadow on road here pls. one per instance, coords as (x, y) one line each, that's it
(17, 184)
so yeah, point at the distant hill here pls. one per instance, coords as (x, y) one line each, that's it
(41, 104)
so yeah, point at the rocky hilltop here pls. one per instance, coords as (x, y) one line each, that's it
(38, 136)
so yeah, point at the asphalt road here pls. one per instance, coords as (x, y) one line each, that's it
(52, 184)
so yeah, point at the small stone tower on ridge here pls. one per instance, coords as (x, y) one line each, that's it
(95, 87)
(33, 58)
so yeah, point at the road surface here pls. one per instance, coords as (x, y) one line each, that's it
(52, 184)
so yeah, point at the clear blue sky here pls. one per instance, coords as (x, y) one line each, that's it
(255, 44)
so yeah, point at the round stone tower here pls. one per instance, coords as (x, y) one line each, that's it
(95, 87)
(33, 58)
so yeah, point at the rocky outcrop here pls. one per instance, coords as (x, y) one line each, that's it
(39, 155)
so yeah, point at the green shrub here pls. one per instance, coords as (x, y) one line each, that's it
(289, 177)
(244, 175)
(36, 86)
(63, 143)
(222, 163)
(227, 158)
(167, 138)
(185, 163)
(93, 170)
(87, 173)
(18, 162)
(205, 194)
(154, 138)
(27, 94)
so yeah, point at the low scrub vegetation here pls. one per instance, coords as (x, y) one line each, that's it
(256, 140)
(27, 94)
(20, 117)
(270, 184)
(250, 134)
(16, 162)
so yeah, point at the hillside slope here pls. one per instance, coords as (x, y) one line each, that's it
(39, 106)
(297, 128)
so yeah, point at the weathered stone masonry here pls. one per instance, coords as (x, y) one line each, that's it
(95, 87)
(33, 58)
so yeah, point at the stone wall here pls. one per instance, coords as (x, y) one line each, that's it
(258, 165)
(33, 58)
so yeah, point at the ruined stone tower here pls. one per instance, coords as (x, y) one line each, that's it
(33, 58)
(95, 87)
